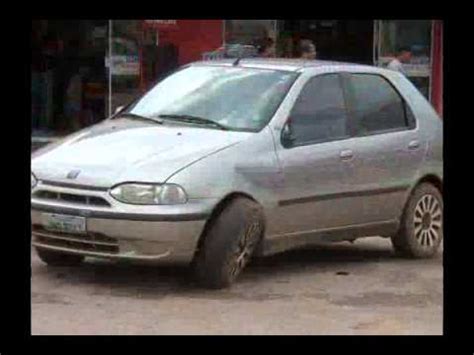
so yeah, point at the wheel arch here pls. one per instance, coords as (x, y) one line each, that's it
(430, 178)
(219, 207)
(436, 181)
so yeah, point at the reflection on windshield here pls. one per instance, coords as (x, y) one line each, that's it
(238, 98)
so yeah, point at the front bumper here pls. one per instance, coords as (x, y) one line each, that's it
(165, 233)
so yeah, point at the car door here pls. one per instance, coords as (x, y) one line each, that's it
(315, 163)
(387, 149)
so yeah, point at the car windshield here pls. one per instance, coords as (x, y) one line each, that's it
(234, 98)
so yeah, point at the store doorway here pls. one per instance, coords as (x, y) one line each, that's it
(69, 80)
(346, 41)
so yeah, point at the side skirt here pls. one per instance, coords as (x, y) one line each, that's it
(280, 243)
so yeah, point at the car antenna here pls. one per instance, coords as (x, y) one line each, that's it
(237, 61)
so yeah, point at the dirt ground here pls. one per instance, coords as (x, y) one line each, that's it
(359, 288)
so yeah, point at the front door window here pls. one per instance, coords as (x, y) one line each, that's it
(319, 114)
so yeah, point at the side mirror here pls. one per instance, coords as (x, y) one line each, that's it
(287, 135)
(118, 109)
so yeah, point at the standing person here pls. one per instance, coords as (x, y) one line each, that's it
(403, 56)
(307, 50)
(56, 78)
(74, 93)
(69, 69)
(266, 48)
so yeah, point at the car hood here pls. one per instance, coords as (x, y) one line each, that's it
(126, 150)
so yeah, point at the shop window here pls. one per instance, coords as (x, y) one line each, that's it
(146, 51)
(68, 78)
(124, 62)
(414, 35)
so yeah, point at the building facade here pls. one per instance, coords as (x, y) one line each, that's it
(83, 70)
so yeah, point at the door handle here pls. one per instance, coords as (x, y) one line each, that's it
(414, 145)
(346, 154)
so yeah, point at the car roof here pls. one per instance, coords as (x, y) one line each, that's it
(296, 65)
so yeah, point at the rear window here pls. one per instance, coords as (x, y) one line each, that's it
(376, 105)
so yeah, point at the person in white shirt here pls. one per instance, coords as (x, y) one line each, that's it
(403, 56)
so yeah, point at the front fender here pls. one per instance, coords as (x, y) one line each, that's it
(249, 167)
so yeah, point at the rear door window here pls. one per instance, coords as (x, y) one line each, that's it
(376, 106)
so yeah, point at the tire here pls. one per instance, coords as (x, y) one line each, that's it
(421, 226)
(228, 244)
(54, 258)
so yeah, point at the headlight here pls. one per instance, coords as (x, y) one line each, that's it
(148, 194)
(33, 181)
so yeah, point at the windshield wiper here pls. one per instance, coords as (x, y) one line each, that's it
(194, 119)
(144, 118)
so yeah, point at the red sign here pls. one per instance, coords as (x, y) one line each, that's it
(162, 24)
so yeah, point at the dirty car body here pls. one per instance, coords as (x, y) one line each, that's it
(133, 188)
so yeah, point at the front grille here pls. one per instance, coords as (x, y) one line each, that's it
(71, 198)
(92, 242)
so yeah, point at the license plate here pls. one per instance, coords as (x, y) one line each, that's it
(65, 224)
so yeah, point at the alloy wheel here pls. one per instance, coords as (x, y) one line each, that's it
(427, 221)
(245, 248)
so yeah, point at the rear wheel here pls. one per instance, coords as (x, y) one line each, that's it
(421, 228)
(54, 258)
(229, 243)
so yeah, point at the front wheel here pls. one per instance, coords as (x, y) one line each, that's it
(228, 244)
(421, 228)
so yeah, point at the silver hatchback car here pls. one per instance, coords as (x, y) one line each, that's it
(226, 160)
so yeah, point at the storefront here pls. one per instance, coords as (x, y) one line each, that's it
(424, 39)
(68, 78)
(83, 70)
(375, 43)
(357, 41)
(143, 51)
